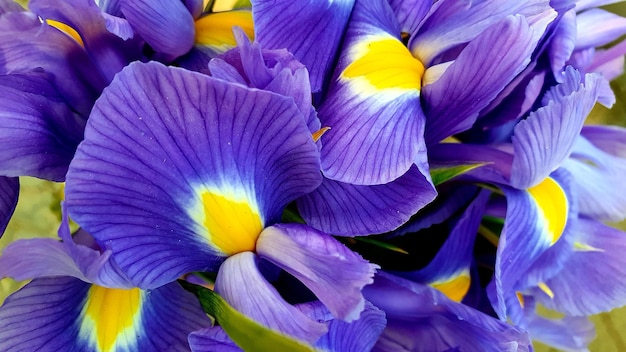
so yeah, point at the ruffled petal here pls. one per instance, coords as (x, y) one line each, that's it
(219, 156)
(67, 314)
(546, 138)
(9, 193)
(38, 130)
(562, 43)
(373, 105)
(167, 26)
(329, 269)
(241, 284)
(312, 35)
(487, 64)
(344, 209)
(592, 279)
(274, 70)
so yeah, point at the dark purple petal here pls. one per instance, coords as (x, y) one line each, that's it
(329, 269)
(64, 313)
(44, 315)
(29, 45)
(9, 193)
(241, 284)
(38, 130)
(161, 140)
(487, 65)
(311, 30)
(410, 13)
(344, 209)
(109, 52)
(420, 318)
(167, 26)
(212, 339)
(453, 261)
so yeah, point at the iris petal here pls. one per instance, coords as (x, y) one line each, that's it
(208, 143)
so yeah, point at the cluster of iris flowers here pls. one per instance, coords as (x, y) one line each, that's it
(347, 175)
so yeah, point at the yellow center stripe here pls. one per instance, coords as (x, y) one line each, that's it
(233, 226)
(456, 287)
(67, 30)
(552, 205)
(216, 29)
(109, 313)
(385, 63)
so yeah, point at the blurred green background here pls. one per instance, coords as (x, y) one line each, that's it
(37, 215)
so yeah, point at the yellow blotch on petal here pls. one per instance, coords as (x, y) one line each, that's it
(215, 30)
(456, 287)
(543, 287)
(552, 204)
(520, 298)
(67, 30)
(112, 312)
(319, 133)
(233, 226)
(385, 63)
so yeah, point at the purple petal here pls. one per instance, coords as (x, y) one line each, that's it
(167, 26)
(161, 140)
(449, 269)
(420, 318)
(212, 339)
(449, 106)
(598, 252)
(450, 23)
(9, 193)
(563, 43)
(109, 52)
(330, 270)
(545, 139)
(410, 13)
(359, 335)
(311, 30)
(373, 105)
(241, 284)
(344, 209)
(597, 27)
(7, 6)
(66, 313)
(28, 45)
(44, 314)
(599, 180)
(38, 130)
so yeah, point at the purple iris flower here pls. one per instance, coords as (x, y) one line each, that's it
(80, 299)
(224, 161)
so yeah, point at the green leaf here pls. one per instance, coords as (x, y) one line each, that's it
(443, 174)
(381, 244)
(246, 333)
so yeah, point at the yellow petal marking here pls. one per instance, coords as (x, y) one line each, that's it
(318, 134)
(552, 205)
(233, 225)
(520, 298)
(385, 63)
(216, 29)
(543, 287)
(456, 287)
(67, 30)
(583, 247)
(111, 311)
